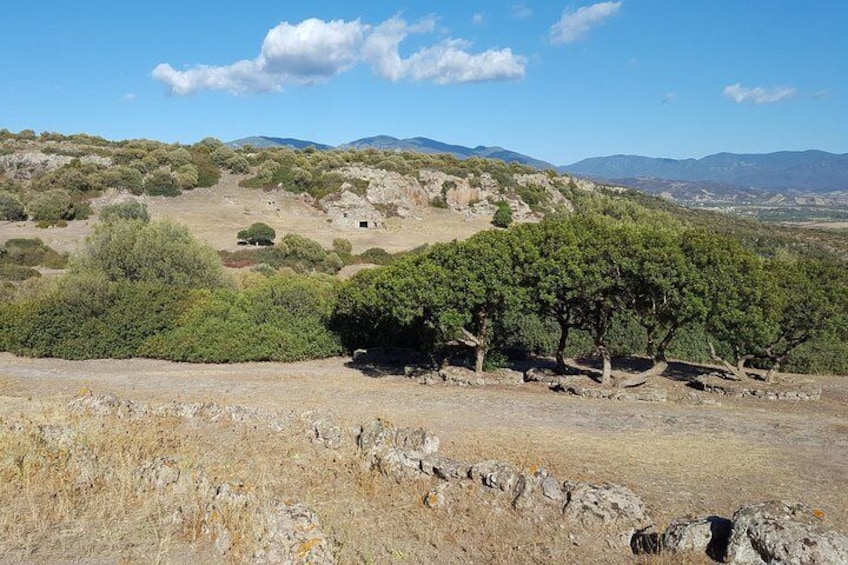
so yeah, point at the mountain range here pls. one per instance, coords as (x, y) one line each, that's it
(805, 172)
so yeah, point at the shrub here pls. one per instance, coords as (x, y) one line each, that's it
(11, 209)
(51, 206)
(17, 273)
(343, 248)
(187, 176)
(129, 210)
(162, 183)
(377, 256)
(303, 249)
(503, 215)
(158, 252)
(282, 319)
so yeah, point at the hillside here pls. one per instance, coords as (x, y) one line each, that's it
(405, 199)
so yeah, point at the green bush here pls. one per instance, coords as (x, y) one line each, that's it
(162, 183)
(283, 319)
(11, 209)
(155, 252)
(86, 316)
(503, 215)
(17, 273)
(376, 256)
(129, 210)
(51, 206)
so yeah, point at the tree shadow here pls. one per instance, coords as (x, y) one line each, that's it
(381, 362)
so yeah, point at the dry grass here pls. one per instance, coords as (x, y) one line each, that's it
(68, 490)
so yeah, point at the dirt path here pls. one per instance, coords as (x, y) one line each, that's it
(680, 457)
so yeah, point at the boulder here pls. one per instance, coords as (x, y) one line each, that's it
(444, 468)
(495, 475)
(704, 535)
(781, 532)
(395, 452)
(609, 508)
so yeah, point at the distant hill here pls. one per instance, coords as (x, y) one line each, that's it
(425, 145)
(263, 142)
(388, 143)
(792, 171)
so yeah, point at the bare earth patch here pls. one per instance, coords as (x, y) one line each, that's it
(682, 457)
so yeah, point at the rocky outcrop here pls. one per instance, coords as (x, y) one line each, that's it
(782, 532)
(25, 165)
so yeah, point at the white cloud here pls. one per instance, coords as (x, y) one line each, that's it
(478, 19)
(130, 96)
(757, 95)
(521, 11)
(574, 25)
(449, 62)
(314, 51)
(824, 93)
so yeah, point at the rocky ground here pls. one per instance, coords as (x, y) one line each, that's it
(696, 454)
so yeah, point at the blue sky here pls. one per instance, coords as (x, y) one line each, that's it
(557, 80)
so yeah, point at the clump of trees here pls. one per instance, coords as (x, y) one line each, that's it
(595, 274)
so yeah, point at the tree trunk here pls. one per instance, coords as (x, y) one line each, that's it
(734, 373)
(479, 358)
(638, 380)
(740, 363)
(606, 358)
(564, 327)
(652, 348)
(775, 368)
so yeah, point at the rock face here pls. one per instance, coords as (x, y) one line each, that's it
(783, 533)
(28, 164)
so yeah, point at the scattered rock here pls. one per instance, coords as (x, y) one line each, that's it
(106, 405)
(714, 384)
(541, 375)
(292, 533)
(704, 535)
(435, 497)
(782, 532)
(157, 475)
(325, 431)
(581, 386)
